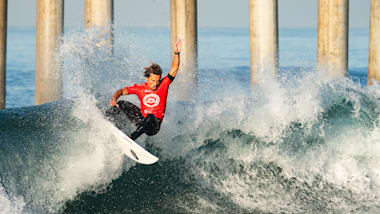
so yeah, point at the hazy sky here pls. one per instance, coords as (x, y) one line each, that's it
(211, 13)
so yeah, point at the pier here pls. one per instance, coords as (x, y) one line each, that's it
(332, 41)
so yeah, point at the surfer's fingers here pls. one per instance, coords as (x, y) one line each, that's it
(114, 103)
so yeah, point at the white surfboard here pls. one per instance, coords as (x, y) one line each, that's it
(132, 149)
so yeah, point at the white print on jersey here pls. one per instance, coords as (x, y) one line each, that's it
(151, 100)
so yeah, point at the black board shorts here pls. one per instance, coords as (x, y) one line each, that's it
(150, 125)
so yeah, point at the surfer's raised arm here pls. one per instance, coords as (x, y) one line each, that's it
(116, 96)
(175, 64)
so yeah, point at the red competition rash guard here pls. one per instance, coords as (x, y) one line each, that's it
(151, 102)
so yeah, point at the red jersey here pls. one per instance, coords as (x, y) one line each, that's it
(151, 102)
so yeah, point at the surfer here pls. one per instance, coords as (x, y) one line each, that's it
(152, 95)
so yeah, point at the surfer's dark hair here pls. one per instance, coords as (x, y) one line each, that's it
(153, 69)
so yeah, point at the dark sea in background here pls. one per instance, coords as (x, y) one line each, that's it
(303, 144)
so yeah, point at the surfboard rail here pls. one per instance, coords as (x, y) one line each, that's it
(133, 150)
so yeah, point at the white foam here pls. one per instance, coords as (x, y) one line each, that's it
(89, 157)
(93, 159)
(348, 158)
(10, 205)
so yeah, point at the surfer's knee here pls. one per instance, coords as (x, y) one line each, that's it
(151, 132)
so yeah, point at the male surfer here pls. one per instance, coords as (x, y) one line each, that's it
(152, 95)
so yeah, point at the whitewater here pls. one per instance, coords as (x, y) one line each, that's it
(301, 143)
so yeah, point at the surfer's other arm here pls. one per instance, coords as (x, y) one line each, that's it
(175, 64)
(116, 96)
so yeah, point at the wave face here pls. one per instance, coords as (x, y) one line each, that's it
(306, 143)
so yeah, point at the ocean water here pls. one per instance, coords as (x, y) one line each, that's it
(303, 143)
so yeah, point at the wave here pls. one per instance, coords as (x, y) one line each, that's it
(306, 143)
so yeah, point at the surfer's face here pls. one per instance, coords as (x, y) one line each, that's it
(153, 81)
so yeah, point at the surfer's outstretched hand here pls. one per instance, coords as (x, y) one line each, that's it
(178, 46)
(114, 103)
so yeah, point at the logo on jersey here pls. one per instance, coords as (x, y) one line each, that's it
(151, 100)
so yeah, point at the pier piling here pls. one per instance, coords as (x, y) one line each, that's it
(323, 26)
(374, 43)
(49, 30)
(333, 37)
(183, 25)
(3, 50)
(100, 13)
(263, 28)
(338, 38)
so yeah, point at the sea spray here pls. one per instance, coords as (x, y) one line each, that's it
(328, 161)
(9, 204)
